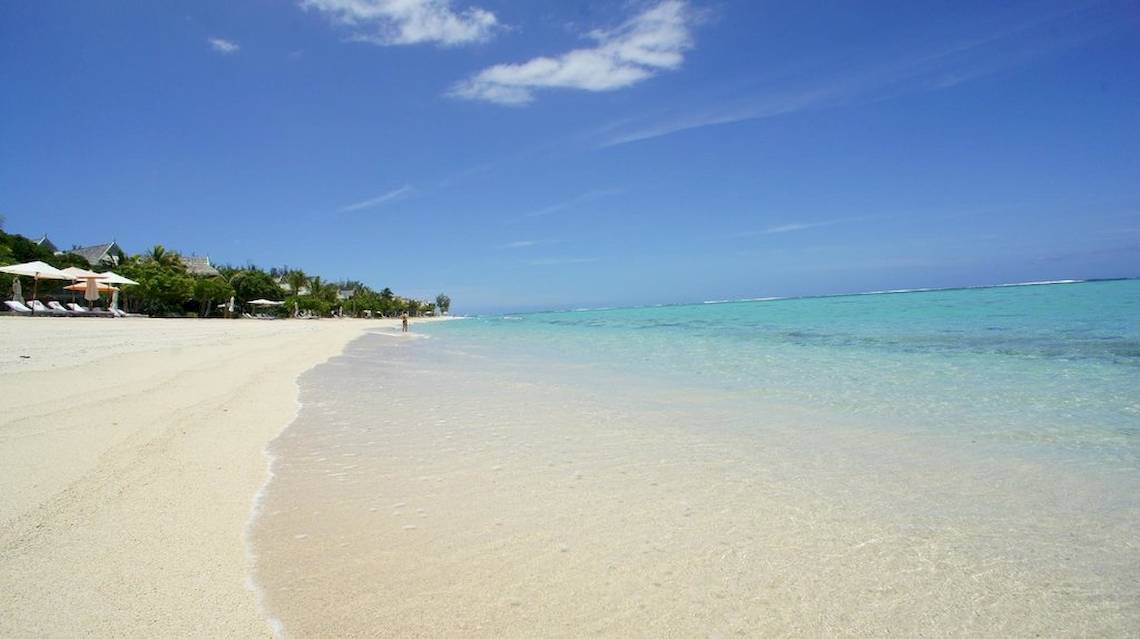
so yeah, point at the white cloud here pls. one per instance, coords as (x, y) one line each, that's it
(519, 244)
(797, 226)
(588, 196)
(379, 199)
(647, 44)
(222, 46)
(393, 22)
(792, 227)
(932, 70)
(557, 261)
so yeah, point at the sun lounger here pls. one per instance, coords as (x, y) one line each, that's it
(39, 307)
(87, 312)
(59, 309)
(18, 308)
(118, 313)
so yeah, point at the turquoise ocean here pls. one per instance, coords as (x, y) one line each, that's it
(1054, 368)
(928, 463)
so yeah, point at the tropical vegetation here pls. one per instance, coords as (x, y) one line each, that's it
(166, 288)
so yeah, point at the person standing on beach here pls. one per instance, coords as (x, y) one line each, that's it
(404, 320)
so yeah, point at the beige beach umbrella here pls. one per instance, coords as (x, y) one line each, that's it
(37, 271)
(17, 291)
(83, 287)
(90, 278)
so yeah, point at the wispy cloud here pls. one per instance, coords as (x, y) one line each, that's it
(573, 202)
(396, 22)
(932, 70)
(792, 227)
(519, 244)
(223, 46)
(649, 43)
(379, 200)
(796, 226)
(557, 261)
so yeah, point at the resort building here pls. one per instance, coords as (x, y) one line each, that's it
(199, 265)
(100, 254)
(46, 243)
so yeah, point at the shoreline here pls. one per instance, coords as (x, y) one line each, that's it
(536, 499)
(131, 453)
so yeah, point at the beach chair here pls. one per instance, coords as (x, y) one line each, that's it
(58, 308)
(77, 309)
(39, 307)
(118, 313)
(18, 308)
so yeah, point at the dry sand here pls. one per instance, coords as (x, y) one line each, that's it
(130, 452)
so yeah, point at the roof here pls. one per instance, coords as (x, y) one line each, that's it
(94, 254)
(46, 243)
(199, 265)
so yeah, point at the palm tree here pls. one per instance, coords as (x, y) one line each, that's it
(159, 255)
(296, 280)
(322, 290)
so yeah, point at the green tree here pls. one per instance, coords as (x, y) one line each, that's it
(324, 291)
(162, 289)
(252, 284)
(443, 302)
(307, 303)
(297, 280)
(211, 290)
(159, 255)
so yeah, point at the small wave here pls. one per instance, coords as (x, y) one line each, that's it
(897, 290)
(1040, 283)
(745, 299)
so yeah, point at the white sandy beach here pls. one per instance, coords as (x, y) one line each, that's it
(130, 452)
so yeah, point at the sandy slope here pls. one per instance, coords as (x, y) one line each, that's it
(130, 451)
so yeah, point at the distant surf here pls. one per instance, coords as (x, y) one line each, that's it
(894, 291)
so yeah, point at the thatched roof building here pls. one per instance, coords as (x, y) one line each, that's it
(199, 265)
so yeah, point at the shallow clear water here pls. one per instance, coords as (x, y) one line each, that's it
(1055, 364)
(944, 463)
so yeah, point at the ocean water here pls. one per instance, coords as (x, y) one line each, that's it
(939, 463)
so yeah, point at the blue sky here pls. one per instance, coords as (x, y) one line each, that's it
(541, 154)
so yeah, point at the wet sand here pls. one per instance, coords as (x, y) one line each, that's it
(429, 491)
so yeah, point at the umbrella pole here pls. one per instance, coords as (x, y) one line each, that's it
(35, 292)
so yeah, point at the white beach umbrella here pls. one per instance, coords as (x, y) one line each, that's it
(17, 291)
(264, 302)
(37, 271)
(76, 273)
(230, 306)
(114, 278)
(115, 301)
